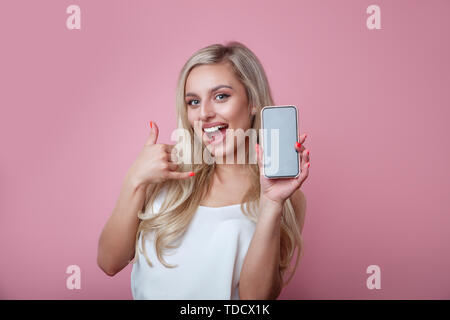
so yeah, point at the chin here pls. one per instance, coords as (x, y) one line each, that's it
(218, 151)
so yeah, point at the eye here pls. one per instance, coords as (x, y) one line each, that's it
(223, 94)
(189, 102)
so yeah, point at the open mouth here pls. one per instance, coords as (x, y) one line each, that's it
(216, 134)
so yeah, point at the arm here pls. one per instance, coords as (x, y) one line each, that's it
(260, 276)
(298, 201)
(264, 250)
(116, 245)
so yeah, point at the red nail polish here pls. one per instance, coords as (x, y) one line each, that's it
(298, 145)
(309, 164)
(191, 174)
(151, 124)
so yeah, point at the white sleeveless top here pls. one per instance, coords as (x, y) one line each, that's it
(209, 258)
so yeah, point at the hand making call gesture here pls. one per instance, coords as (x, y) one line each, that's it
(157, 161)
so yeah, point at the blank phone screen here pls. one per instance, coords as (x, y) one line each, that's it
(279, 134)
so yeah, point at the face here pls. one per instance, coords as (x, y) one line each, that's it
(215, 95)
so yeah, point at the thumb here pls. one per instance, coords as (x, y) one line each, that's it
(154, 131)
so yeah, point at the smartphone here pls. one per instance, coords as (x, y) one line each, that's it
(279, 134)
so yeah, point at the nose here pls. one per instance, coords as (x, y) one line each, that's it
(206, 111)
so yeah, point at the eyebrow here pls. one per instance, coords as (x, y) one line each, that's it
(210, 90)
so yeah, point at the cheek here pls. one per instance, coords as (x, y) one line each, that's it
(193, 116)
(236, 114)
(190, 117)
(240, 120)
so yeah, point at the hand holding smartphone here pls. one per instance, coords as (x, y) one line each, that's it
(279, 135)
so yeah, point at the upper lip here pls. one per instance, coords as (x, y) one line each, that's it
(213, 124)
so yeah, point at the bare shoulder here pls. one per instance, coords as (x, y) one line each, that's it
(298, 201)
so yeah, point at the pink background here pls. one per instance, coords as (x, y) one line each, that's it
(75, 107)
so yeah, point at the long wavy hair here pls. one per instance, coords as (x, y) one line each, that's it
(183, 196)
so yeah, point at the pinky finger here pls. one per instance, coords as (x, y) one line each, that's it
(303, 174)
(180, 175)
(305, 168)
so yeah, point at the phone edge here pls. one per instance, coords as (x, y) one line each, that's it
(262, 140)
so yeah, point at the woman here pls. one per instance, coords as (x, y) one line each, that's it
(229, 232)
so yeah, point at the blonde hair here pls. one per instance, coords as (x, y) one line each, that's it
(181, 202)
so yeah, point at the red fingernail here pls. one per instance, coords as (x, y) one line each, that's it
(298, 145)
(309, 164)
(151, 124)
(191, 174)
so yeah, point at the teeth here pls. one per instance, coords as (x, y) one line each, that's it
(213, 129)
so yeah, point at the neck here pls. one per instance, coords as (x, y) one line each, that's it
(225, 172)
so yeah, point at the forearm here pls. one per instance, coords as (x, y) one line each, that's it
(117, 241)
(260, 277)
